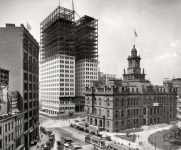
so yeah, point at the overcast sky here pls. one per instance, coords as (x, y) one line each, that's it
(157, 23)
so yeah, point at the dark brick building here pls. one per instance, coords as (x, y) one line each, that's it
(131, 102)
(19, 54)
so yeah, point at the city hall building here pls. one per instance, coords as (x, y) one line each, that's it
(130, 102)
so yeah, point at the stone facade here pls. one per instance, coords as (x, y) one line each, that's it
(11, 132)
(131, 103)
(177, 84)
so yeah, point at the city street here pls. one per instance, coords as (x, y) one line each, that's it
(57, 126)
(61, 129)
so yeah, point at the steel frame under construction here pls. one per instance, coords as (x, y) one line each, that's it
(57, 36)
(86, 38)
(60, 34)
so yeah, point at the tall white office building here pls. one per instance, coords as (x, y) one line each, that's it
(57, 65)
(57, 82)
(86, 71)
(69, 60)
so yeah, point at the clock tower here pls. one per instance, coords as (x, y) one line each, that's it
(134, 70)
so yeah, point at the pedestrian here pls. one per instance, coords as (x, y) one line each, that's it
(129, 144)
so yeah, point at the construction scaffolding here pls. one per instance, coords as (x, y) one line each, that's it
(86, 38)
(57, 33)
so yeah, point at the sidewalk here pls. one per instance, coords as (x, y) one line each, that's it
(43, 140)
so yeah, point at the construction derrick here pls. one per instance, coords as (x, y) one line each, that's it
(86, 38)
(57, 35)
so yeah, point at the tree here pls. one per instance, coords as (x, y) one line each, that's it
(71, 114)
(174, 135)
(128, 132)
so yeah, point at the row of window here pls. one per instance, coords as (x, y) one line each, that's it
(57, 97)
(51, 85)
(56, 67)
(80, 74)
(66, 62)
(31, 59)
(66, 89)
(54, 61)
(31, 86)
(57, 80)
(31, 104)
(57, 108)
(57, 71)
(31, 77)
(57, 102)
(57, 75)
(31, 95)
(31, 50)
(30, 68)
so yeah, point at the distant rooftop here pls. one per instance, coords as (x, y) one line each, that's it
(5, 117)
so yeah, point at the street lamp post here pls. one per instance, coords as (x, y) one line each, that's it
(59, 110)
(160, 137)
(155, 142)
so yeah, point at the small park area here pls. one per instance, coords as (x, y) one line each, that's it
(167, 139)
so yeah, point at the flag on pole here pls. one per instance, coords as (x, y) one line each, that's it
(28, 26)
(135, 33)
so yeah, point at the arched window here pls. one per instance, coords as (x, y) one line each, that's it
(95, 110)
(108, 123)
(122, 113)
(154, 110)
(132, 89)
(116, 124)
(107, 113)
(116, 114)
(99, 111)
(116, 103)
(144, 111)
(99, 101)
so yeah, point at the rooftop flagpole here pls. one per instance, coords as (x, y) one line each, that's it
(134, 36)
(73, 9)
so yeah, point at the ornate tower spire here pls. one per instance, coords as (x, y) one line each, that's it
(134, 52)
(134, 70)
